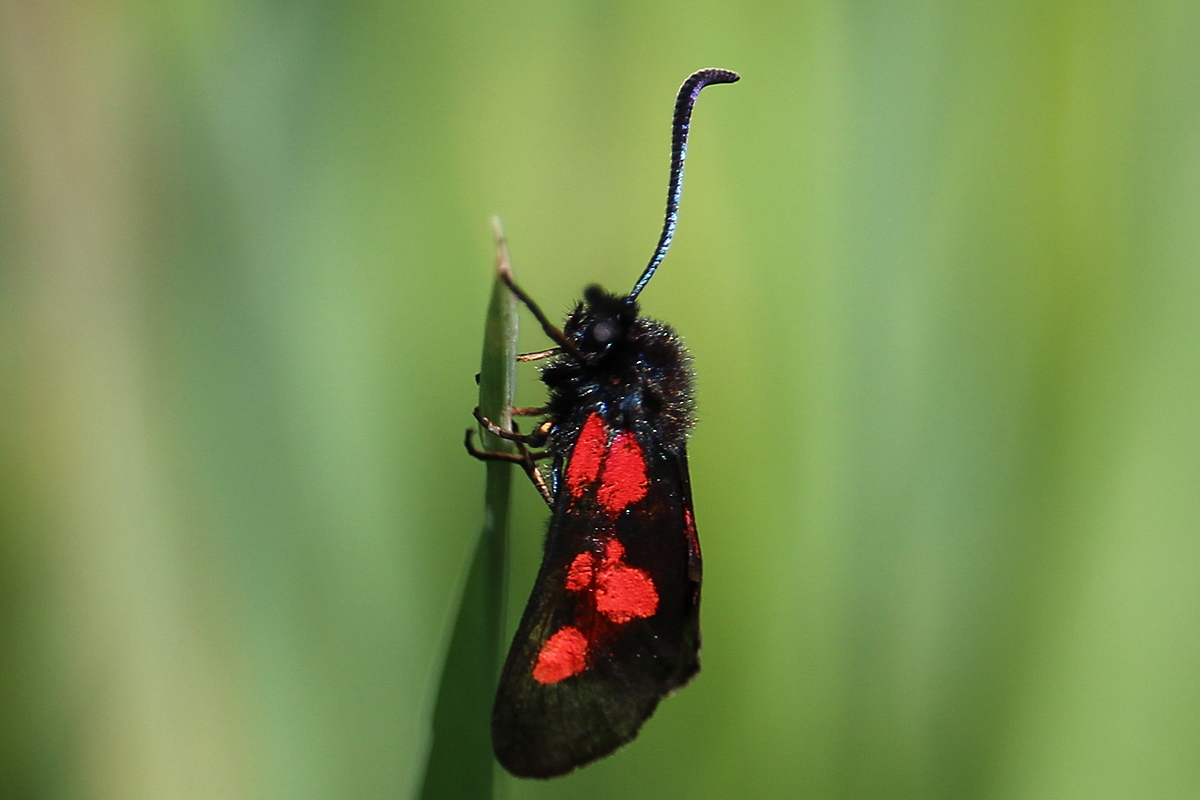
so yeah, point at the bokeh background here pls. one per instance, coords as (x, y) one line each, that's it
(939, 266)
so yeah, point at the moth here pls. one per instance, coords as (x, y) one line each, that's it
(613, 622)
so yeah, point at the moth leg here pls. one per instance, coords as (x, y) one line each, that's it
(522, 411)
(492, 455)
(524, 458)
(541, 433)
(550, 329)
(539, 355)
(536, 439)
(504, 269)
(539, 482)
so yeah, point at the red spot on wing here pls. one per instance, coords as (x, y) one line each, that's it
(620, 592)
(623, 592)
(584, 464)
(624, 479)
(564, 654)
(581, 572)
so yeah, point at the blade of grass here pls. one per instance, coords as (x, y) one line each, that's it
(460, 761)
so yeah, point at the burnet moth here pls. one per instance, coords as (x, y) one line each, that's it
(613, 622)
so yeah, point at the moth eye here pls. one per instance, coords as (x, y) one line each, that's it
(604, 331)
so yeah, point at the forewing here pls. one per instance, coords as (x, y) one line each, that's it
(612, 624)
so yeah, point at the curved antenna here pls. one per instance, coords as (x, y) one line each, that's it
(685, 101)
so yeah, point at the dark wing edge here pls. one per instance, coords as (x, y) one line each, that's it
(688, 669)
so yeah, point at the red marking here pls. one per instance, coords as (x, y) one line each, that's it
(614, 551)
(581, 572)
(623, 592)
(564, 654)
(584, 464)
(624, 479)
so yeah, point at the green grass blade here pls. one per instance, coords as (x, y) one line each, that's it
(460, 761)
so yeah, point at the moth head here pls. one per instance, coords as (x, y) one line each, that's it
(601, 321)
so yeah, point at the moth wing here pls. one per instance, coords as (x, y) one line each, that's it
(588, 665)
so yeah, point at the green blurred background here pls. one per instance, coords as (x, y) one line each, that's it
(939, 266)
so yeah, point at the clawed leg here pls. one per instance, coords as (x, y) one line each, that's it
(505, 270)
(539, 355)
(526, 411)
(523, 457)
(535, 439)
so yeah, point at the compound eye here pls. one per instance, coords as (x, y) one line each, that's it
(604, 331)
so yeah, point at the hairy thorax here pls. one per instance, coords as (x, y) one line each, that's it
(642, 384)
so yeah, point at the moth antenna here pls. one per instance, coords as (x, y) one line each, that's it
(685, 101)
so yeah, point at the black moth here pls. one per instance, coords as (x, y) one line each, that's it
(613, 622)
